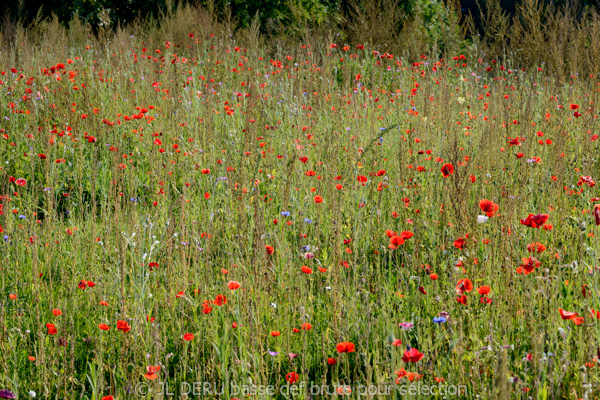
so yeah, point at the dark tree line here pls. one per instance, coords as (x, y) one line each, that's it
(271, 13)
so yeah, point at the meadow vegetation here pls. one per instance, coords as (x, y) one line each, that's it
(183, 201)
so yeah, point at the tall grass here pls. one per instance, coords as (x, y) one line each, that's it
(183, 155)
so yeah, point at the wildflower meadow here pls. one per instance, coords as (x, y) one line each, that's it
(188, 213)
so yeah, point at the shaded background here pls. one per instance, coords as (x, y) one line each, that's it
(272, 13)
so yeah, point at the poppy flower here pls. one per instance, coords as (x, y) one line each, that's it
(188, 336)
(104, 327)
(401, 374)
(108, 398)
(318, 199)
(269, 249)
(462, 299)
(345, 347)
(535, 221)
(528, 265)
(406, 235)
(459, 243)
(362, 179)
(56, 312)
(390, 233)
(412, 355)
(489, 207)
(151, 374)
(464, 285)
(233, 285)
(483, 290)
(331, 361)
(396, 240)
(51, 329)
(306, 326)
(567, 314)
(21, 182)
(306, 270)
(292, 377)
(447, 170)
(220, 300)
(536, 248)
(123, 326)
(275, 333)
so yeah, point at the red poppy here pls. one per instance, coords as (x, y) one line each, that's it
(390, 233)
(108, 398)
(306, 270)
(528, 265)
(406, 235)
(536, 248)
(447, 170)
(483, 290)
(104, 327)
(275, 333)
(233, 285)
(463, 285)
(345, 347)
(535, 221)
(56, 312)
(489, 207)
(362, 179)
(567, 314)
(270, 250)
(51, 329)
(331, 361)
(462, 299)
(306, 326)
(397, 240)
(460, 243)
(188, 336)
(123, 326)
(220, 300)
(413, 355)
(318, 199)
(292, 377)
(151, 374)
